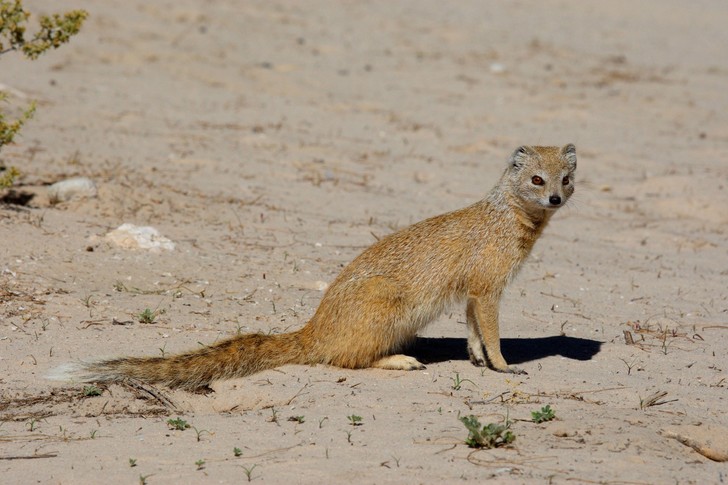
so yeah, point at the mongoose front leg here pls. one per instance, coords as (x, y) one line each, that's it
(482, 318)
(476, 350)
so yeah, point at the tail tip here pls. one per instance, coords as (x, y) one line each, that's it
(69, 372)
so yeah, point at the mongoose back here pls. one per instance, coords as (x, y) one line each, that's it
(396, 287)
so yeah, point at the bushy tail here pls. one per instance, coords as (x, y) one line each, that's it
(236, 357)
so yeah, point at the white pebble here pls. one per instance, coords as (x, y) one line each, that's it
(75, 188)
(129, 236)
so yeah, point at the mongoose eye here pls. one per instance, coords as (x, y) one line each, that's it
(565, 180)
(536, 180)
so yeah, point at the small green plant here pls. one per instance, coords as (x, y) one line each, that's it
(143, 479)
(542, 415)
(199, 432)
(355, 420)
(31, 424)
(93, 434)
(132, 462)
(200, 464)
(457, 383)
(237, 451)
(492, 435)
(147, 316)
(87, 301)
(297, 419)
(249, 472)
(179, 424)
(665, 334)
(274, 416)
(90, 391)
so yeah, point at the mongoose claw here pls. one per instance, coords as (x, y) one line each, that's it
(508, 369)
(513, 370)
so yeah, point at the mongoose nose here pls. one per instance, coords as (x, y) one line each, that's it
(555, 200)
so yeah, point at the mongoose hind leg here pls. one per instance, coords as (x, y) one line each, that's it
(398, 362)
(484, 337)
(365, 326)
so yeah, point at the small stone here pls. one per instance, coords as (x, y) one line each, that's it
(70, 189)
(316, 285)
(561, 429)
(497, 68)
(422, 177)
(618, 445)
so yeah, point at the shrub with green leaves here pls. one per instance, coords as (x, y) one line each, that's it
(178, 424)
(7, 132)
(90, 391)
(147, 316)
(492, 435)
(52, 32)
(542, 415)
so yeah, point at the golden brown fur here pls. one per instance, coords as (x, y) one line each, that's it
(393, 289)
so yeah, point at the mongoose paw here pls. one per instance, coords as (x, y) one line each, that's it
(508, 369)
(477, 362)
(398, 362)
(414, 364)
(512, 370)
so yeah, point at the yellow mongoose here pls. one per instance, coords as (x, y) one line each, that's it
(394, 288)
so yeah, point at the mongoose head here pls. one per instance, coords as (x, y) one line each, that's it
(542, 177)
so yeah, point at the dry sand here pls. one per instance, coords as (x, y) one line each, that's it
(273, 141)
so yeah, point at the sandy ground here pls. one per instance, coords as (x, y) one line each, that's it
(273, 141)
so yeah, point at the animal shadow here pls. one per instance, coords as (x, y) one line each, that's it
(515, 350)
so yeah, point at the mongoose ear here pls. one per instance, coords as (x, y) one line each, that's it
(569, 152)
(518, 157)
